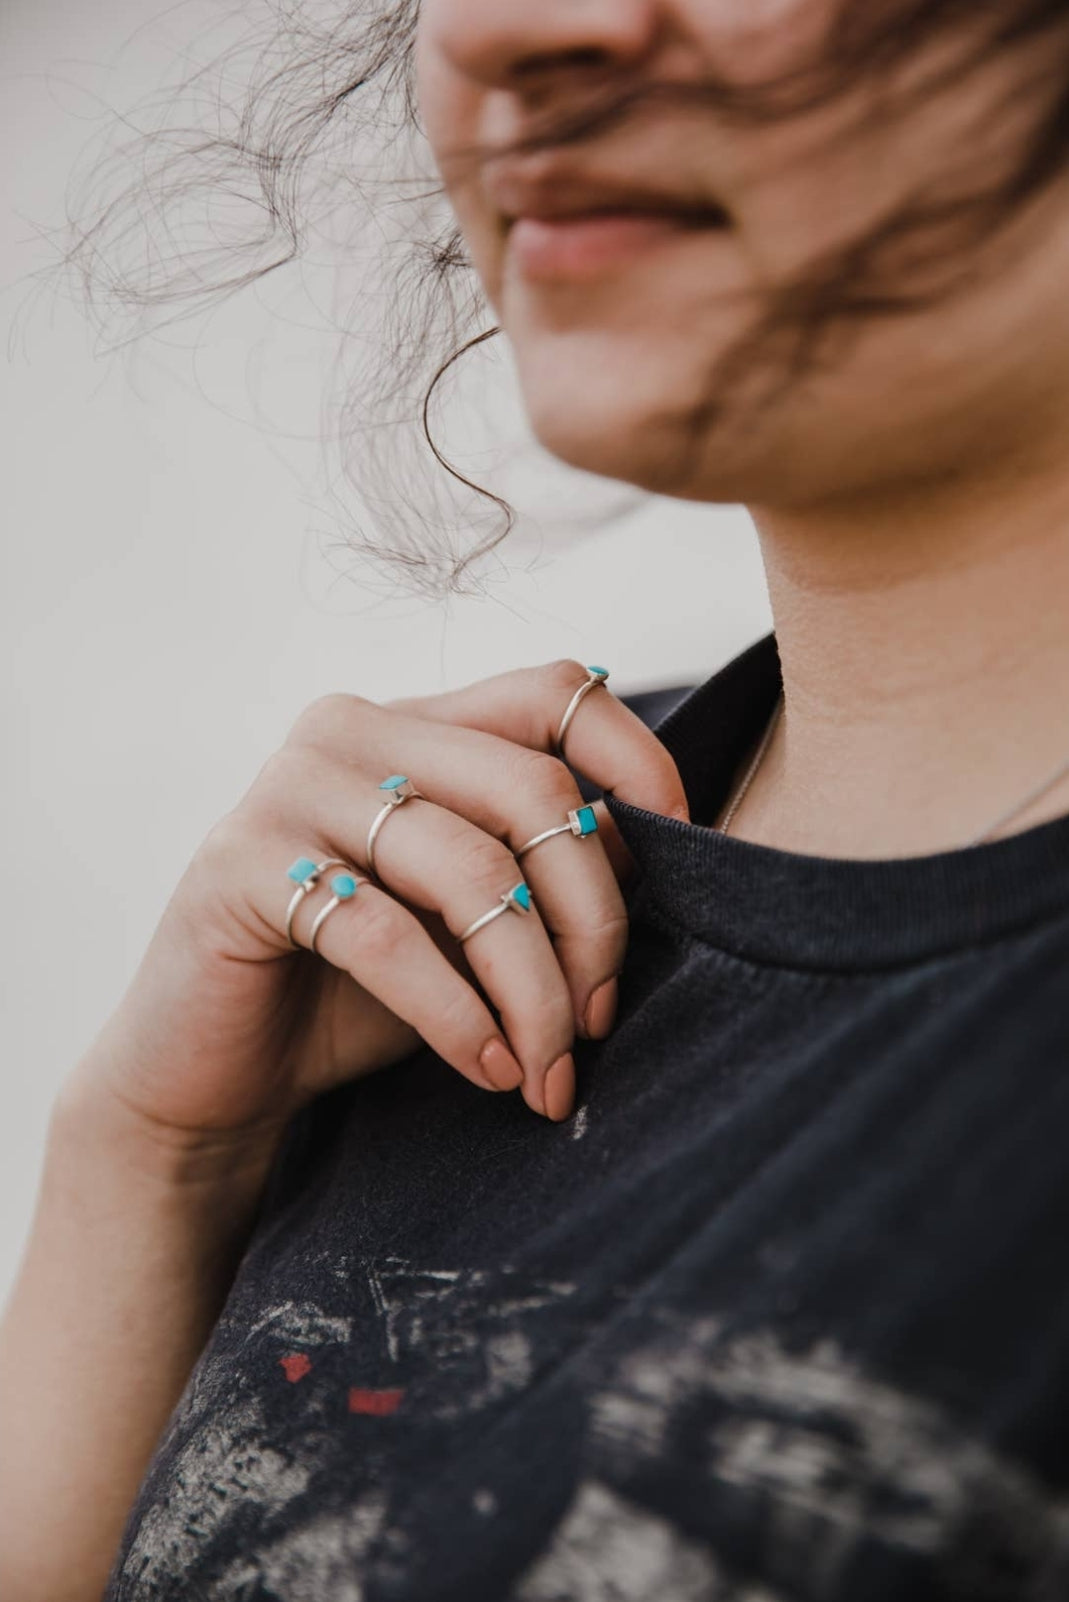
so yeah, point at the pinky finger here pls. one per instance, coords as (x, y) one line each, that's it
(386, 949)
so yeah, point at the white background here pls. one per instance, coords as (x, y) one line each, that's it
(166, 605)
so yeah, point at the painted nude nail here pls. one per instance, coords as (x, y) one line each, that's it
(500, 1066)
(601, 1010)
(560, 1088)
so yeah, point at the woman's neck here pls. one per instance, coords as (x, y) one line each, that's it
(925, 652)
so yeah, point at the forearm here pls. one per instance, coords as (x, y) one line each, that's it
(133, 1246)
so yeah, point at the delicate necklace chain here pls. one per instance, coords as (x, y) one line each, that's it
(993, 828)
(748, 776)
(1033, 795)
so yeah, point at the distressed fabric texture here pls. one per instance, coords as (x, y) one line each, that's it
(781, 1314)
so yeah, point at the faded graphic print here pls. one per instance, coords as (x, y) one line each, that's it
(696, 1465)
(611, 1550)
(835, 1474)
(259, 1454)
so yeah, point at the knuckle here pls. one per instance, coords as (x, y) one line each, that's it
(383, 926)
(226, 843)
(483, 860)
(459, 1016)
(611, 928)
(564, 674)
(278, 796)
(545, 781)
(327, 717)
(594, 940)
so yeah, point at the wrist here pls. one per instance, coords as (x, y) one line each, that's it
(90, 1115)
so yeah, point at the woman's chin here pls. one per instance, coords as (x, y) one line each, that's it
(656, 453)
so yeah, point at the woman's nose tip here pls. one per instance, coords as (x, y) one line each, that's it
(506, 44)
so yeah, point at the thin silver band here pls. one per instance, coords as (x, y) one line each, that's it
(572, 826)
(305, 888)
(335, 901)
(508, 903)
(592, 681)
(397, 799)
(480, 923)
(547, 834)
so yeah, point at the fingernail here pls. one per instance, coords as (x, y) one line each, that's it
(560, 1088)
(500, 1066)
(601, 1010)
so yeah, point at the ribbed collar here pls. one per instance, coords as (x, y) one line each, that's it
(811, 912)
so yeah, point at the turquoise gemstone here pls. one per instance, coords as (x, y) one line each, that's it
(301, 870)
(394, 782)
(587, 820)
(600, 671)
(343, 885)
(521, 896)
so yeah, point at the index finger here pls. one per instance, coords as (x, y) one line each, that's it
(606, 742)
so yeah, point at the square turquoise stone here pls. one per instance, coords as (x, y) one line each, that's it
(394, 782)
(587, 820)
(301, 870)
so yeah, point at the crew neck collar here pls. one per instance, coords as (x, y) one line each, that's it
(787, 909)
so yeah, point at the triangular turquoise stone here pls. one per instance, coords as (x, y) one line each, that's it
(522, 896)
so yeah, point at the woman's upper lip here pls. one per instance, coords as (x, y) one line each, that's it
(560, 193)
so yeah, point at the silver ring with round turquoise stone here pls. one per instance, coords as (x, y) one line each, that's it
(397, 789)
(305, 875)
(595, 676)
(343, 888)
(518, 899)
(582, 822)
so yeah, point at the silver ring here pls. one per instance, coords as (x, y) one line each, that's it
(582, 822)
(344, 885)
(312, 872)
(398, 790)
(518, 899)
(595, 676)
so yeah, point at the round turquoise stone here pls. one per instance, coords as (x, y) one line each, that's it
(394, 782)
(602, 673)
(343, 885)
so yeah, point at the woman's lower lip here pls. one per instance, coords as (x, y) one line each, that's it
(578, 247)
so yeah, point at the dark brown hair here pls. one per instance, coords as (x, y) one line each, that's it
(209, 189)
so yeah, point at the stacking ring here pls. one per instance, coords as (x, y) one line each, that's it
(305, 874)
(595, 676)
(581, 822)
(398, 790)
(518, 899)
(344, 886)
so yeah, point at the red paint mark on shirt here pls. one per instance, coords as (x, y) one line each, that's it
(295, 1366)
(378, 1402)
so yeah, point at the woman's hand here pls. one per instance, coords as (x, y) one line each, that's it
(226, 1031)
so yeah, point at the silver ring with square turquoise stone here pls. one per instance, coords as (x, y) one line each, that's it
(594, 676)
(396, 790)
(582, 822)
(518, 899)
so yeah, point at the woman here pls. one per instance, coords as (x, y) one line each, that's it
(770, 1300)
